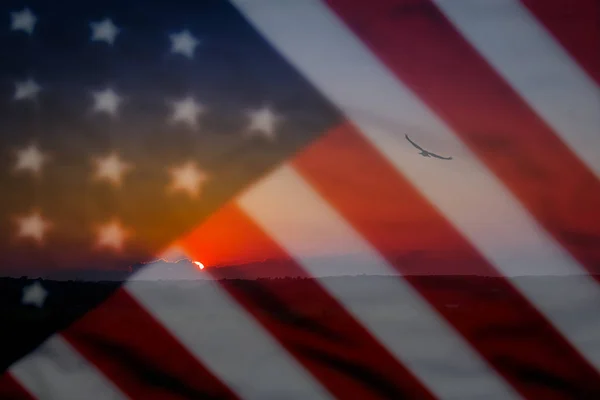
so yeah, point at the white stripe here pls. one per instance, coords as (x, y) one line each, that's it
(417, 335)
(470, 197)
(536, 66)
(222, 335)
(57, 371)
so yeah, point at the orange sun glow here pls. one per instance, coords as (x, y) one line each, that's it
(199, 264)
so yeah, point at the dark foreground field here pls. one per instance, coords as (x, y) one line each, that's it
(487, 310)
(465, 294)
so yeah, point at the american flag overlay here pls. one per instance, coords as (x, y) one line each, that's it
(300, 199)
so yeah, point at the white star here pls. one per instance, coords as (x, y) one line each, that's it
(184, 43)
(112, 235)
(262, 122)
(104, 31)
(111, 168)
(26, 90)
(187, 111)
(34, 294)
(33, 226)
(23, 20)
(187, 178)
(30, 158)
(107, 101)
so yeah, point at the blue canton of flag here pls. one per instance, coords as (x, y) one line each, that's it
(124, 125)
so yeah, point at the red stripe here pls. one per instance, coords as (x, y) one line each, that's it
(576, 25)
(134, 351)
(301, 315)
(391, 214)
(11, 389)
(422, 48)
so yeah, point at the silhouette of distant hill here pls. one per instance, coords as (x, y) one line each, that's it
(414, 264)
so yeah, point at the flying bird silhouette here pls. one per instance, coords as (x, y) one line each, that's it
(426, 153)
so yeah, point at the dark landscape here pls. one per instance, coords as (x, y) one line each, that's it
(488, 309)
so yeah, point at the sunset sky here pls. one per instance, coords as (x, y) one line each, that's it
(325, 172)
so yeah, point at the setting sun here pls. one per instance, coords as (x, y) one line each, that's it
(199, 264)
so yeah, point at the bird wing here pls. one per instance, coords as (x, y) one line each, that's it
(414, 144)
(440, 157)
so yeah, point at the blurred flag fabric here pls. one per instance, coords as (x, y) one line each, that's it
(160, 159)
